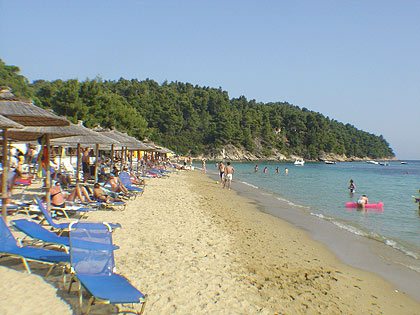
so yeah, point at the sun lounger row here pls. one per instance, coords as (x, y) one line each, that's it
(89, 255)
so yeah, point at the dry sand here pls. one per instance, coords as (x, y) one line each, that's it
(195, 248)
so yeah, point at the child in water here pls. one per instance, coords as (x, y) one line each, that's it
(352, 186)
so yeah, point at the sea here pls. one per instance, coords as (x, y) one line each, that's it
(321, 190)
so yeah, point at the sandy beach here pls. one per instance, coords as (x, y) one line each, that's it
(195, 248)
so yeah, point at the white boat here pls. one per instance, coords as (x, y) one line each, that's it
(373, 162)
(402, 162)
(330, 162)
(299, 161)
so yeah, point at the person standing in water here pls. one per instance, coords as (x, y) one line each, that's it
(256, 168)
(277, 169)
(352, 186)
(229, 170)
(286, 171)
(265, 170)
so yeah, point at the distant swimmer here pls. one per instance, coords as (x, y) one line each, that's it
(286, 171)
(352, 187)
(265, 170)
(277, 169)
(362, 201)
(256, 168)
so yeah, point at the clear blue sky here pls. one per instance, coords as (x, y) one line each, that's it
(355, 61)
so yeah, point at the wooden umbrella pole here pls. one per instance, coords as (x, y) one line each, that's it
(48, 173)
(138, 160)
(122, 158)
(96, 162)
(78, 162)
(4, 176)
(112, 158)
(131, 159)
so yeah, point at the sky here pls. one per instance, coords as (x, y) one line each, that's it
(354, 61)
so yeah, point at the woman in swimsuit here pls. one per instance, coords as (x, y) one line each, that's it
(58, 197)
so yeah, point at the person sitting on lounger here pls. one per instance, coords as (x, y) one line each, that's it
(59, 198)
(116, 185)
(99, 194)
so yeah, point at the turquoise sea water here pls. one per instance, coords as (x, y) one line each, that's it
(321, 190)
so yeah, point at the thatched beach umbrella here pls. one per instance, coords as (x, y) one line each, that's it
(124, 140)
(34, 133)
(5, 123)
(25, 113)
(90, 138)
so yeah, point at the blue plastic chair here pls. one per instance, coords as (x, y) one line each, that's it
(8, 245)
(49, 219)
(94, 268)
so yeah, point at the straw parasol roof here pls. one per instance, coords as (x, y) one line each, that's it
(124, 140)
(25, 112)
(7, 123)
(33, 133)
(89, 137)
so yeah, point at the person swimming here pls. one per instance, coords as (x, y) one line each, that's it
(362, 201)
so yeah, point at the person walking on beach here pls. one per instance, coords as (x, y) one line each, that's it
(222, 173)
(203, 165)
(229, 170)
(86, 165)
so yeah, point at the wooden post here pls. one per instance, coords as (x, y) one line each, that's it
(78, 161)
(48, 173)
(4, 176)
(96, 162)
(112, 158)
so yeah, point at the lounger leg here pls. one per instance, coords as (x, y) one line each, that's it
(26, 265)
(89, 305)
(49, 270)
(143, 305)
(71, 284)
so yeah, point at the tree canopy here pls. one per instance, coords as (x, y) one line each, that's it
(192, 119)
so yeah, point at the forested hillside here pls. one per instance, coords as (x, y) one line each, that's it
(186, 117)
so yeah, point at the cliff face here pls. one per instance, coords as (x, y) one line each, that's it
(233, 153)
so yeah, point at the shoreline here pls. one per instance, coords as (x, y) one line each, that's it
(357, 251)
(328, 254)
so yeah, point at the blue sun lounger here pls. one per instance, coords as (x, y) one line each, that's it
(126, 181)
(94, 269)
(49, 219)
(8, 246)
(39, 233)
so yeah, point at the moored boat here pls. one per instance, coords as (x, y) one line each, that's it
(299, 161)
